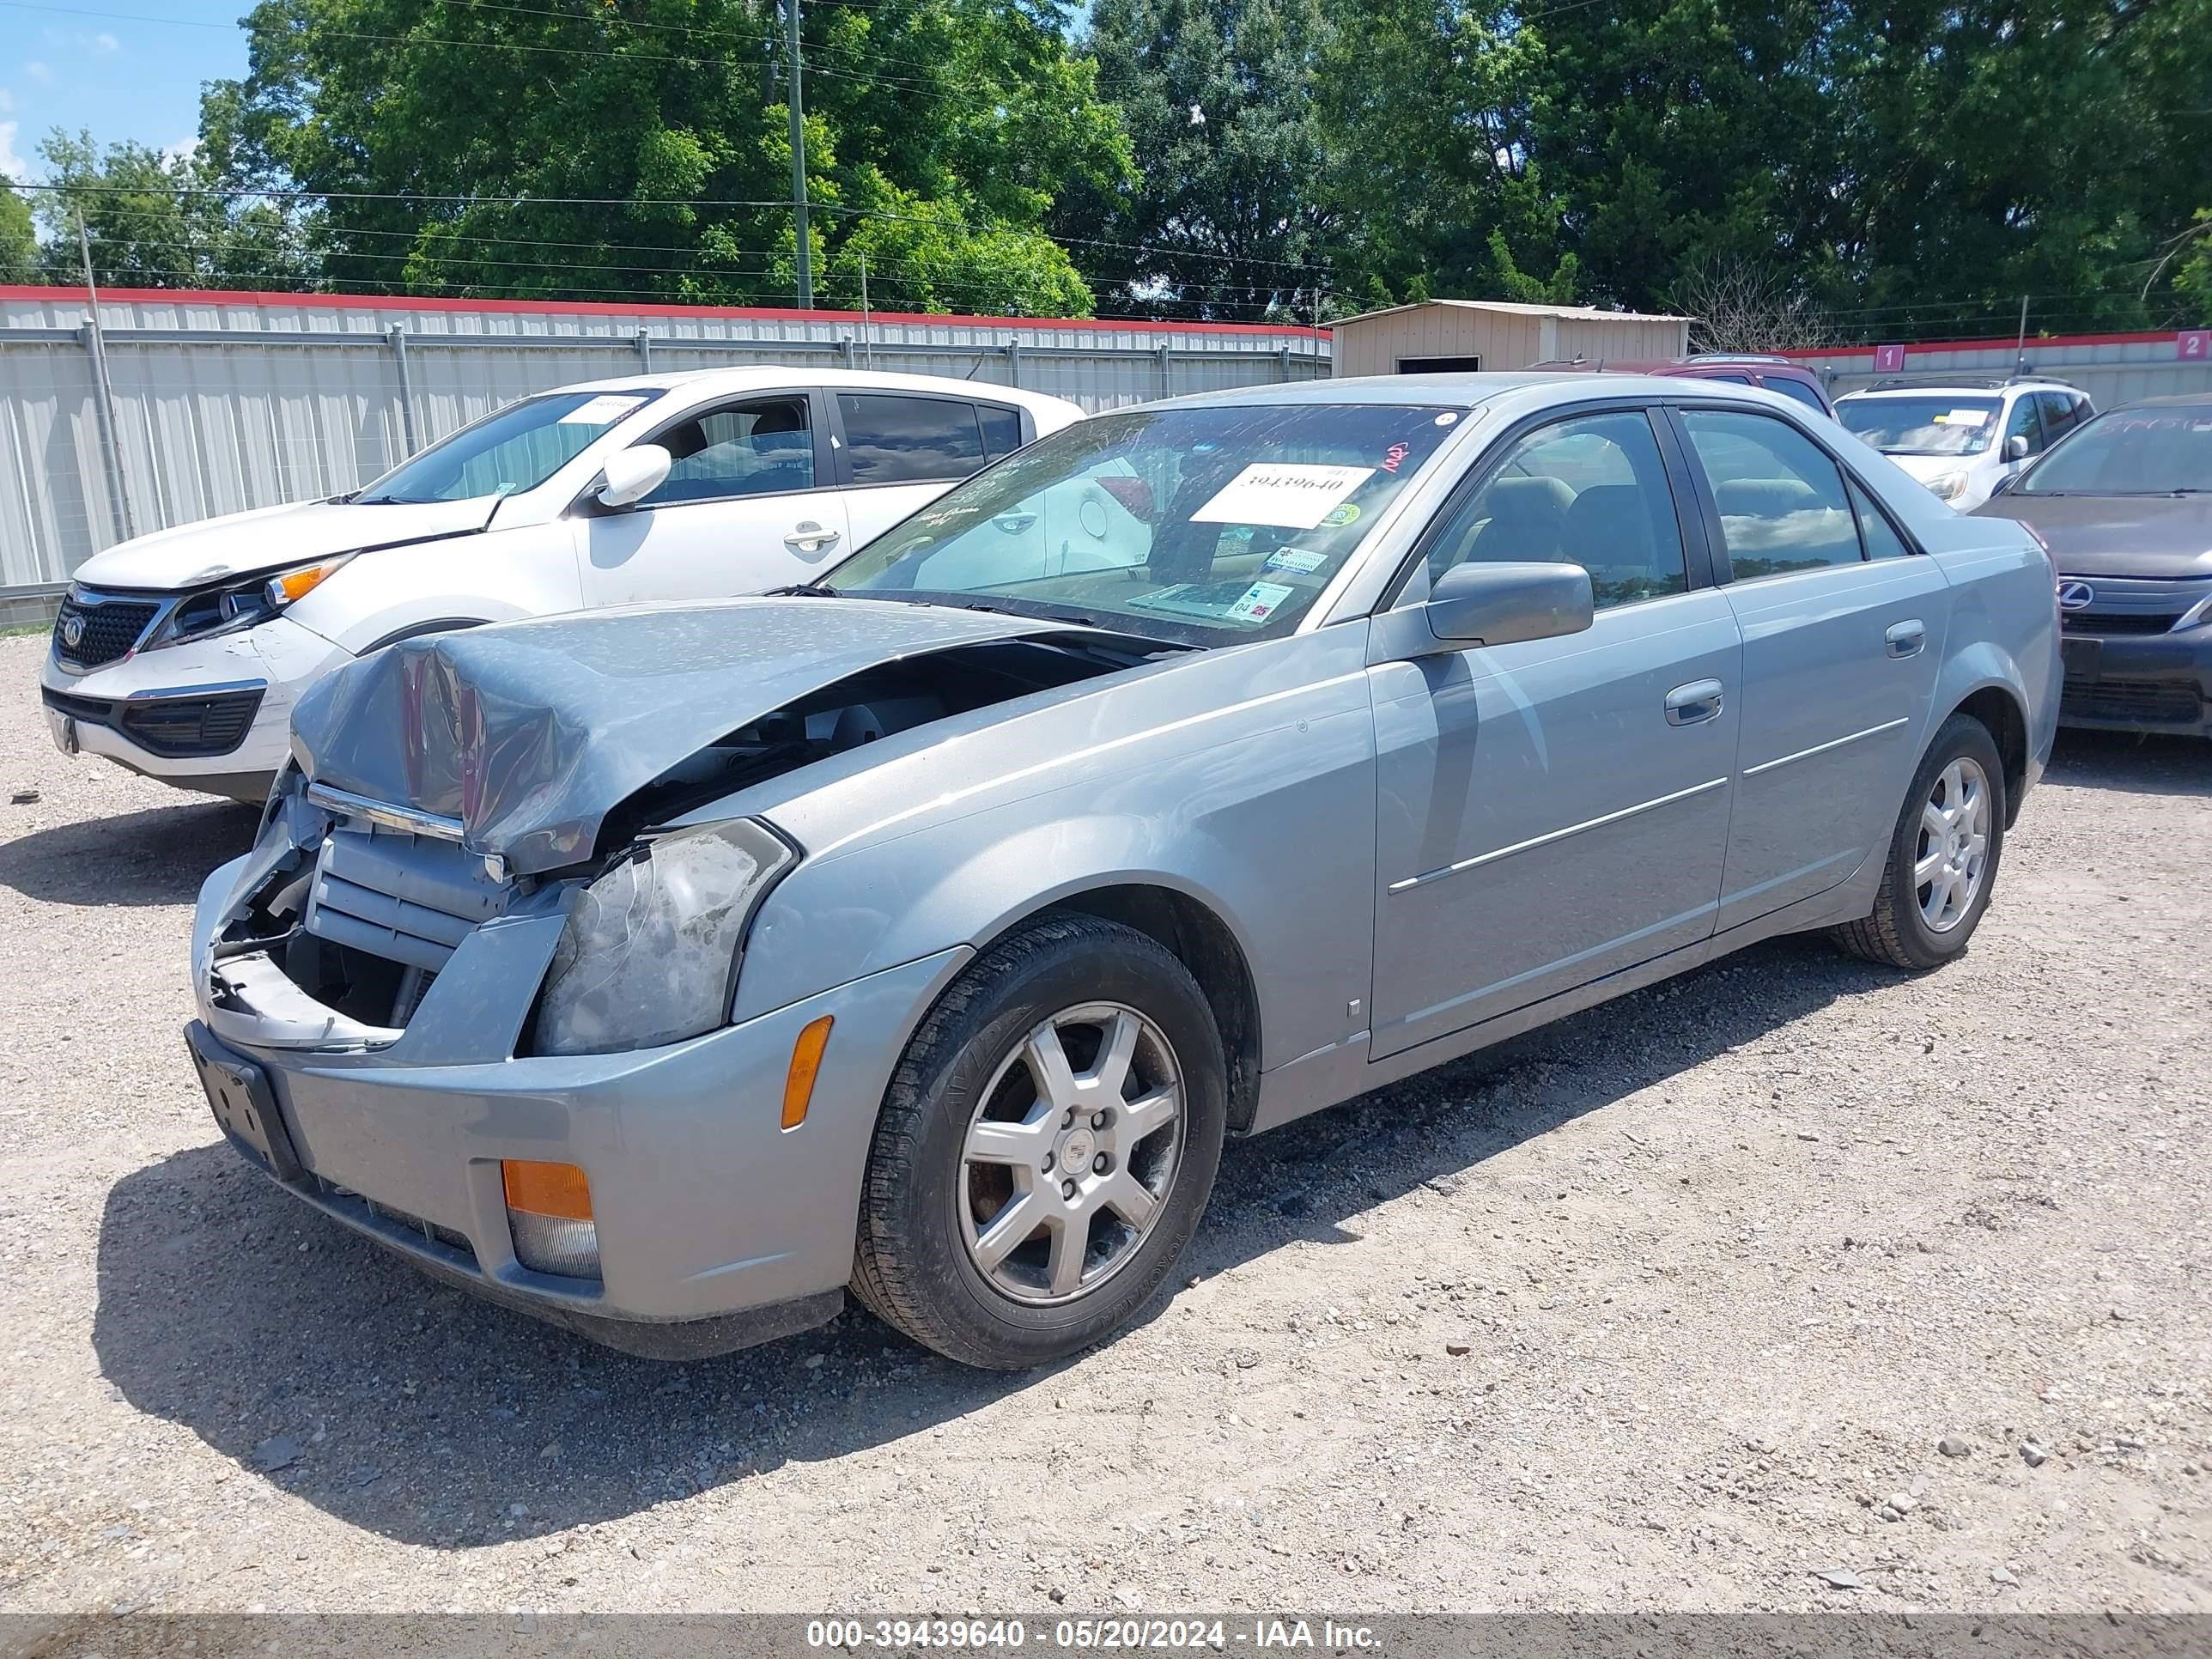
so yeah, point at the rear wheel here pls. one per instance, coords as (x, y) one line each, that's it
(1943, 854)
(1046, 1146)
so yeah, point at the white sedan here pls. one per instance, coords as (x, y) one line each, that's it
(180, 654)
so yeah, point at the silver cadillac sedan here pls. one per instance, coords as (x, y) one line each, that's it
(923, 931)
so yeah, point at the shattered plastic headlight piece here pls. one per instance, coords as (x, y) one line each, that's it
(650, 953)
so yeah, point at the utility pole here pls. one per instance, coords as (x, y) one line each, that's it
(798, 102)
(119, 493)
(867, 326)
(2020, 350)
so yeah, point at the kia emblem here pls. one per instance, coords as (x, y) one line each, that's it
(73, 632)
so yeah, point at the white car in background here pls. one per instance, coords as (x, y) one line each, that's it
(180, 654)
(1964, 438)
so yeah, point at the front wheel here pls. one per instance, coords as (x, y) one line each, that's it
(1943, 861)
(1046, 1147)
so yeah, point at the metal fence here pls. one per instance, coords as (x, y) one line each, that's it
(2113, 368)
(219, 403)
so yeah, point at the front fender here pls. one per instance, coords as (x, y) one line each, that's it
(1276, 837)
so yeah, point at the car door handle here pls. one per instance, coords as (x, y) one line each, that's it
(1906, 638)
(810, 538)
(1694, 704)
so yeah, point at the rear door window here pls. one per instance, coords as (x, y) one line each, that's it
(1002, 429)
(1782, 503)
(1796, 389)
(897, 440)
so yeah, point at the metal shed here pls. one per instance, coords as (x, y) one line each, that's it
(1452, 336)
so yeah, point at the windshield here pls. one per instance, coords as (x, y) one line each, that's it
(1195, 525)
(1944, 423)
(513, 449)
(2130, 452)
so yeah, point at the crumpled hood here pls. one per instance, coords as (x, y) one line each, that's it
(530, 732)
(242, 544)
(2151, 536)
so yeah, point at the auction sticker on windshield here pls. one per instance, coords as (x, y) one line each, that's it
(1963, 417)
(1258, 601)
(1291, 495)
(603, 411)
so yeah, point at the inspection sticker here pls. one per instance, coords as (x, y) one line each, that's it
(1300, 560)
(1292, 495)
(603, 411)
(1258, 601)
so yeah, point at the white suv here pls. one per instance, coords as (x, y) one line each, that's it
(181, 654)
(1963, 438)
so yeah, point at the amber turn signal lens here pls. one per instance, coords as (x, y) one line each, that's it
(806, 1066)
(298, 584)
(554, 1189)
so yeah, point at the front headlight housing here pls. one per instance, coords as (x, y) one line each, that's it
(1949, 486)
(651, 951)
(245, 604)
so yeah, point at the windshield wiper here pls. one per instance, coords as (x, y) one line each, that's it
(803, 591)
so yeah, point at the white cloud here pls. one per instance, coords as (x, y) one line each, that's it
(98, 45)
(11, 164)
(104, 42)
(6, 101)
(38, 72)
(183, 150)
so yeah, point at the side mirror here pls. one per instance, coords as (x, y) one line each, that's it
(2017, 448)
(1478, 603)
(633, 474)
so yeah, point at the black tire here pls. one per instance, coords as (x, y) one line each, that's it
(913, 1267)
(1896, 932)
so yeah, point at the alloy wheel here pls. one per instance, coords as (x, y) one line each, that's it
(1951, 855)
(1070, 1156)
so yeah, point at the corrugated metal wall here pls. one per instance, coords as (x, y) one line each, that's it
(227, 402)
(2111, 369)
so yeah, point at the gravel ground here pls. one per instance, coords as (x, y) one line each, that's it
(1792, 1267)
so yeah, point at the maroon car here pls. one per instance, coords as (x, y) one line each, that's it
(1774, 374)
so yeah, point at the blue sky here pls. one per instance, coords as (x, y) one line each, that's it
(111, 70)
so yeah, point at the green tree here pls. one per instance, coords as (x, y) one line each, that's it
(2192, 279)
(1226, 215)
(19, 239)
(641, 147)
(153, 221)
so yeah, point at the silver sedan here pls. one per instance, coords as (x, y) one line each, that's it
(924, 931)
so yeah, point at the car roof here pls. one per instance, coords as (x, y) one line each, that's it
(2171, 400)
(1470, 390)
(1398, 391)
(1960, 389)
(747, 376)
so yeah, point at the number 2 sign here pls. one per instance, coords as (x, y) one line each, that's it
(2194, 345)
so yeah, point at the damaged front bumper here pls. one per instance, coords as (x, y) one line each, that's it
(716, 1226)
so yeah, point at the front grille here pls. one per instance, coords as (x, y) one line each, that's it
(104, 629)
(432, 1232)
(2124, 622)
(2148, 703)
(191, 728)
(405, 898)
